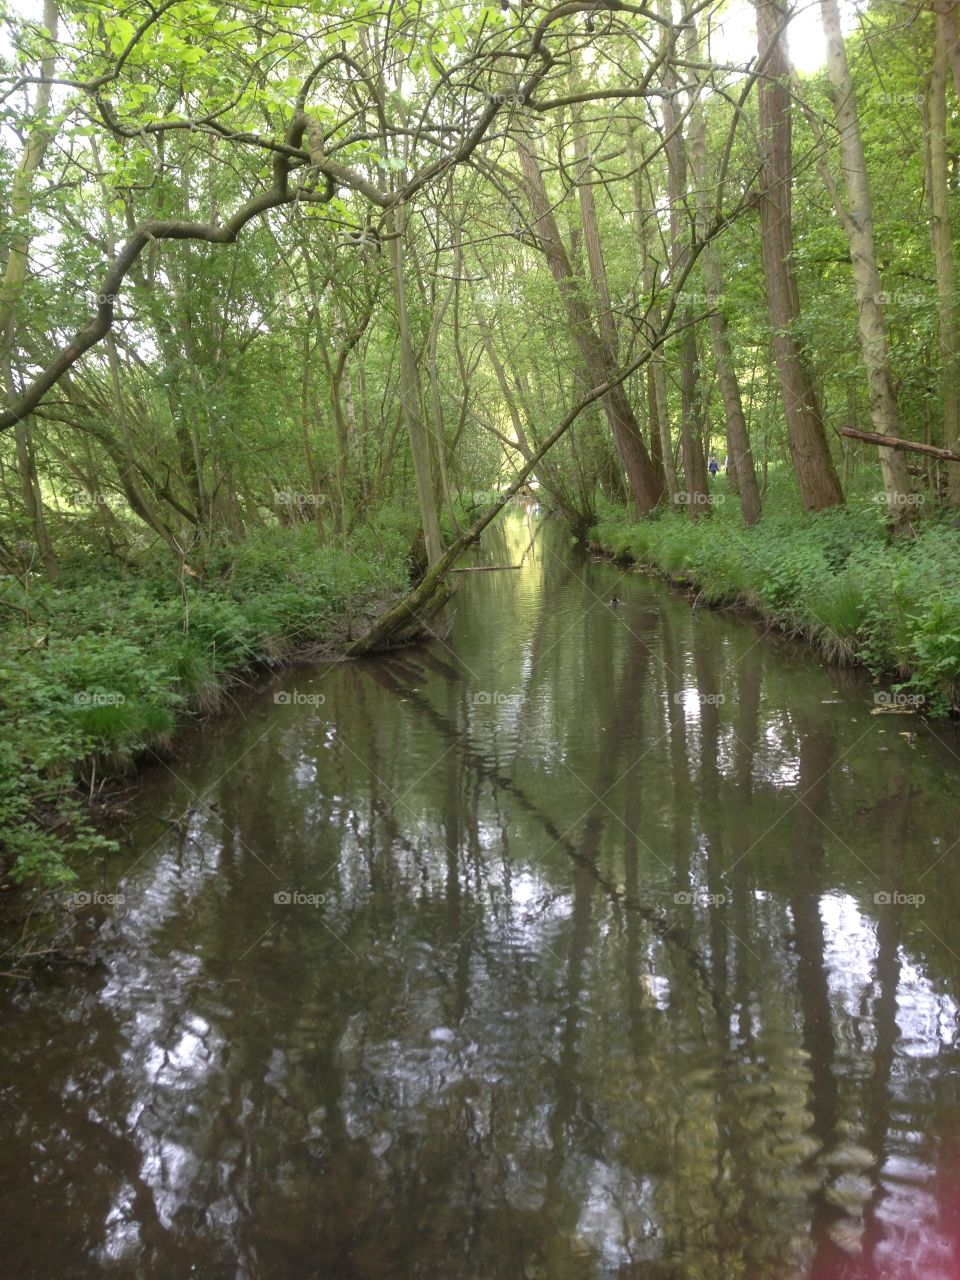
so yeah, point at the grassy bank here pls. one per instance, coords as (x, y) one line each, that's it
(112, 660)
(839, 579)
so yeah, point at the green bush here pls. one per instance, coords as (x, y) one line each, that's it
(841, 578)
(104, 665)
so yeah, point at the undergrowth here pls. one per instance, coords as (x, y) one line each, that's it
(107, 663)
(842, 579)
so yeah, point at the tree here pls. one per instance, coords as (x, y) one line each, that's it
(857, 216)
(813, 465)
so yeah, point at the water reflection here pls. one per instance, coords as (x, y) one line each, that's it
(588, 943)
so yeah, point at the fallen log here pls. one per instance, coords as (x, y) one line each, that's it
(408, 618)
(485, 568)
(894, 442)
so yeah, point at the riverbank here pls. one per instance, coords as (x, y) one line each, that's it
(840, 580)
(103, 669)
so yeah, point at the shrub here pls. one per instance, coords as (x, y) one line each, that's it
(106, 664)
(839, 577)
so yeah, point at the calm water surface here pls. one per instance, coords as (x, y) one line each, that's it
(592, 942)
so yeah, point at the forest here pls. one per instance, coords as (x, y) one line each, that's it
(480, 639)
(288, 294)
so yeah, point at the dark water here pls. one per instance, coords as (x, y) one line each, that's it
(591, 972)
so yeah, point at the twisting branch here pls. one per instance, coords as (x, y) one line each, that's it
(101, 323)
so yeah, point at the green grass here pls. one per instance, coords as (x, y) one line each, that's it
(840, 579)
(111, 661)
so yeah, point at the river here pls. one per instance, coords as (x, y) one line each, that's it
(590, 941)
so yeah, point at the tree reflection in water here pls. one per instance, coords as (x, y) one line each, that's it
(600, 985)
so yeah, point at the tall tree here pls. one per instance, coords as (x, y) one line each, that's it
(645, 485)
(856, 213)
(39, 137)
(691, 438)
(942, 238)
(410, 399)
(739, 454)
(816, 475)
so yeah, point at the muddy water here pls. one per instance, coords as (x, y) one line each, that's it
(592, 942)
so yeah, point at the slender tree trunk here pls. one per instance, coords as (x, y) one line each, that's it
(657, 387)
(306, 418)
(645, 485)
(696, 488)
(659, 411)
(741, 471)
(810, 453)
(410, 399)
(14, 277)
(944, 263)
(857, 216)
(946, 11)
(591, 235)
(436, 399)
(598, 270)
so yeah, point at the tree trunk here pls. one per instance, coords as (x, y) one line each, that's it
(741, 471)
(810, 453)
(645, 485)
(591, 235)
(944, 264)
(696, 489)
(410, 399)
(14, 277)
(857, 216)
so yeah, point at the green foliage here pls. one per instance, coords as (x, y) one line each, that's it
(839, 578)
(107, 665)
